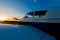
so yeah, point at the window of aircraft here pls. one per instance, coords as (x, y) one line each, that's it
(36, 14)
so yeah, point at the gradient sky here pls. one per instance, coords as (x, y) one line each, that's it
(18, 8)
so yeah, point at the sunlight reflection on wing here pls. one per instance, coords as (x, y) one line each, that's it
(8, 25)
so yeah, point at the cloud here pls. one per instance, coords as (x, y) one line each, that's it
(10, 12)
(34, 0)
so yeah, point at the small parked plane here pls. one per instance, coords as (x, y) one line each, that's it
(47, 20)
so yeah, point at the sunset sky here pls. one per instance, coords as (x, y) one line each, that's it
(18, 8)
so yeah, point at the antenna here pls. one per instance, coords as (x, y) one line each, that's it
(34, 11)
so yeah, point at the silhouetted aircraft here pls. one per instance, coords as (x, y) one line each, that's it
(48, 21)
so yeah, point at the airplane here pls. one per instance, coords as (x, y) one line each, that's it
(47, 20)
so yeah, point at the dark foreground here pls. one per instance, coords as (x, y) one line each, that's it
(22, 32)
(50, 28)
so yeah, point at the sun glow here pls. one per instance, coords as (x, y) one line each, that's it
(3, 18)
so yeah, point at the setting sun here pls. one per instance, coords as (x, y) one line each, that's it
(3, 18)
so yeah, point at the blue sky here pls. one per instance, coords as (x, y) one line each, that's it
(18, 8)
